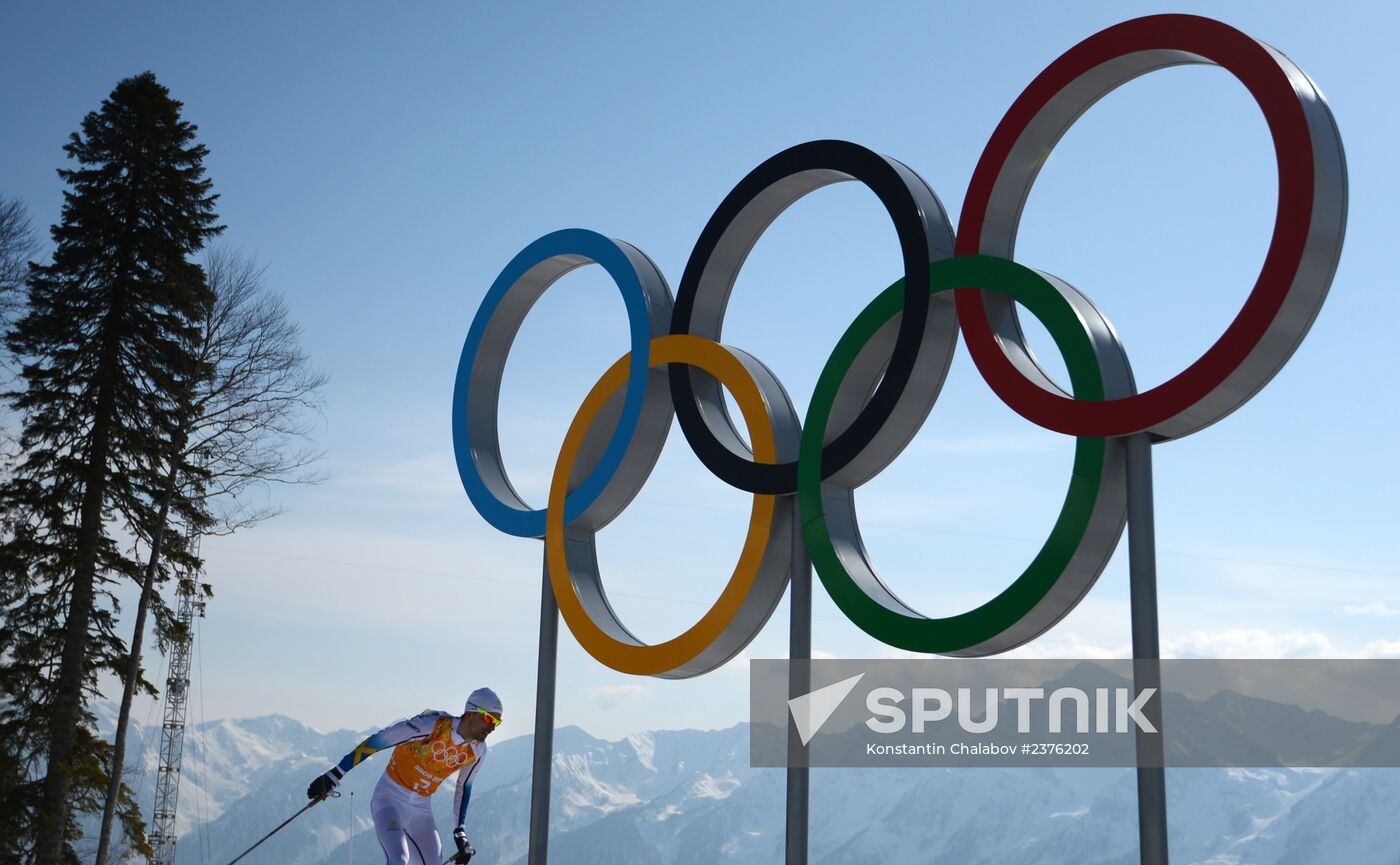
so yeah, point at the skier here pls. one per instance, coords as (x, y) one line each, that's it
(427, 749)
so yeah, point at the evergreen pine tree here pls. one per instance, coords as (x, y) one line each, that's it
(108, 331)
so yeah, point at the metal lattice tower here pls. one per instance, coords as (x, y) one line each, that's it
(172, 732)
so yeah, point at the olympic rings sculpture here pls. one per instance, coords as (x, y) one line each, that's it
(881, 380)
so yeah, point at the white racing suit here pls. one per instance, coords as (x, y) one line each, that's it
(427, 750)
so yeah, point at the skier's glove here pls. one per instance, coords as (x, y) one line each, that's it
(324, 784)
(464, 852)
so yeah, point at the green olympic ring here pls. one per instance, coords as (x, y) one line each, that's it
(1037, 598)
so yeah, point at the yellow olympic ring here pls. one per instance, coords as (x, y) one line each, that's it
(622, 651)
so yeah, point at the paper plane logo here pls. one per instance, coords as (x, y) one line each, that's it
(811, 711)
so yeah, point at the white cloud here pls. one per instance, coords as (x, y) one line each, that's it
(1375, 608)
(1231, 643)
(610, 696)
(1069, 646)
(1252, 643)
(1381, 649)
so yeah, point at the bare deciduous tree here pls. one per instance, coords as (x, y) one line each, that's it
(17, 245)
(245, 420)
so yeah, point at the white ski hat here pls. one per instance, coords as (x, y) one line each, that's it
(484, 699)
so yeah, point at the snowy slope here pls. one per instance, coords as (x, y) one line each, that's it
(690, 798)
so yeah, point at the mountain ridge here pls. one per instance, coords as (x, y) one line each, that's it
(687, 797)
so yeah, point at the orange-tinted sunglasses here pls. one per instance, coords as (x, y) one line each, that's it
(490, 718)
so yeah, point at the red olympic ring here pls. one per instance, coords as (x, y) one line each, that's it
(1297, 269)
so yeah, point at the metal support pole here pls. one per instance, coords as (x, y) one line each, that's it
(1147, 673)
(544, 723)
(799, 683)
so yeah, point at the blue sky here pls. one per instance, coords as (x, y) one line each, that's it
(386, 162)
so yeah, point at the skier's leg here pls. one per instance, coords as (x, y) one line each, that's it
(390, 822)
(423, 834)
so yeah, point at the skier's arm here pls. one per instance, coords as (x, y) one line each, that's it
(464, 793)
(459, 808)
(395, 734)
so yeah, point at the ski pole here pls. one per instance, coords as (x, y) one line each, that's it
(282, 825)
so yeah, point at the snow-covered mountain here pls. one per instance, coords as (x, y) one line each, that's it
(687, 797)
(229, 768)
